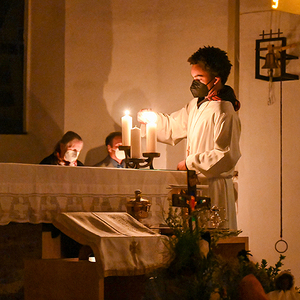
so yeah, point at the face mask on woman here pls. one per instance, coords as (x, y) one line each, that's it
(71, 155)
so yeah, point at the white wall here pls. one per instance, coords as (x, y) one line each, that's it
(259, 168)
(88, 61)
(152, 41)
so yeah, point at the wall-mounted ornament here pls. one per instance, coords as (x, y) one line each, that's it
(271, 55)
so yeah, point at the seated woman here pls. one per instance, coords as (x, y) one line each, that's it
(66, 151)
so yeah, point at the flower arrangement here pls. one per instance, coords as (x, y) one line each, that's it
(195, 271)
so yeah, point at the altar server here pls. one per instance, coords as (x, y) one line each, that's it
(211, 125)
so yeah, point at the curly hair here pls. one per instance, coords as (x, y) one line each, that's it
(215, 60)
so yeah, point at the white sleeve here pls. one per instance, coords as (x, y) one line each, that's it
(171, 129)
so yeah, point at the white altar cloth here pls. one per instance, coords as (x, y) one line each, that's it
(122, 246)
(37, 193)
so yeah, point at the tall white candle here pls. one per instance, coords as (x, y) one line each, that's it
(151, 137)
(136, 151)
(126, 129)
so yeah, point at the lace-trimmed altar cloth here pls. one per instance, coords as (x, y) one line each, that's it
(38, 193)
(122, 246)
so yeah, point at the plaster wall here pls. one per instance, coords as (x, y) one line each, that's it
(122, 55)
(259, 168)
(89, 61)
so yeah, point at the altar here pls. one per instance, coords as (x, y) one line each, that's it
(32, 195)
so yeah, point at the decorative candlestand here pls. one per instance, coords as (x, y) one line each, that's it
(137, 163)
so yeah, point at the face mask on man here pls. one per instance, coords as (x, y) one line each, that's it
(71, 155)
(120, 154)
(199, 89)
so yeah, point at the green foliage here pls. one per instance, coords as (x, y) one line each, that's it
(266, 275)
(190, 267)
(193, 275)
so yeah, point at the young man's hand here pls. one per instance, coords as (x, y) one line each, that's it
(181, 166)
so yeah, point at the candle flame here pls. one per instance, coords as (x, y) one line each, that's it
(126, 112)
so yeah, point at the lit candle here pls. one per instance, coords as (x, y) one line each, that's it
(136, 151)
(151, 137)
(126, 129)
(151, 134)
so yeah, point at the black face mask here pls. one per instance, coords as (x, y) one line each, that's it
(199, 89)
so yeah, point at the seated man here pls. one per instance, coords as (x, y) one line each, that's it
(115, 158)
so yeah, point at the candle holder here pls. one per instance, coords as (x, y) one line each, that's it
(137, 163)
(149, 160)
